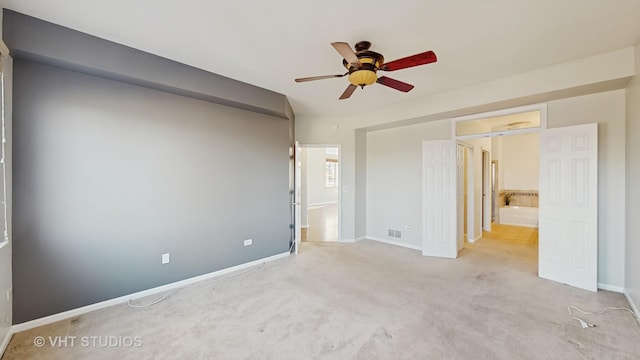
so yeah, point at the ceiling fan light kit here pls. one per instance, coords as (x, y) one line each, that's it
(363, 65)
(365, 73)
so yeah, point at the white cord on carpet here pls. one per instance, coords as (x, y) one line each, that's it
(172, 292)
(585, 324)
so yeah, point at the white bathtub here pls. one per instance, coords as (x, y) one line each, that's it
(519, 215)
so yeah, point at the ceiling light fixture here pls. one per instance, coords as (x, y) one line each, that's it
(365, 73)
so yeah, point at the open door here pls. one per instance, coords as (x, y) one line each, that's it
(568, 229)
(297, 208)
(460, 203)
(439, 194)
(486, 191)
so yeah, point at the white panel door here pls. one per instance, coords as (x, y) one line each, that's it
(568, 243)
(297, 208)
(439, 194)
(460, 196)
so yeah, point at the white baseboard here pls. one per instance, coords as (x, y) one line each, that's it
(5, 341)
(636, 312)
(123, 299)
(322, 204)
(618, 289)
(351, 241)
(396, 243)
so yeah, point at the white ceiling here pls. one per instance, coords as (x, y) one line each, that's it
(269, 43)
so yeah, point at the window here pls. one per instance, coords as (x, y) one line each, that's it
(331, 173)
(505, 123)
(331, 151)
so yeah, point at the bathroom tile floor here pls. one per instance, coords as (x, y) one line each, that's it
(513, 234)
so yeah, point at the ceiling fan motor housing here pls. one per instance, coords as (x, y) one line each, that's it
(365, 74)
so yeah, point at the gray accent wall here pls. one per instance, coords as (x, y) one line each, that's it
(37, 40)
(6, 251)
(107, 176)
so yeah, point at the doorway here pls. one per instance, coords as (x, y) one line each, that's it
(515, 190)
(320, 195)
(511, 190)
(568, 172)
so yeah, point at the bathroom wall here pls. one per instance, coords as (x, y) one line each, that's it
(519, 161)
(518, 168)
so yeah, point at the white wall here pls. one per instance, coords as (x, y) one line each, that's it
(317, 192)
(361, 184)
(394, 180)
(608, 110)
(519, 163)
(632, 263)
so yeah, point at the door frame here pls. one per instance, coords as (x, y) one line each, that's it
(469, 170)
(542, 108)
(487, 202)
(314, 145)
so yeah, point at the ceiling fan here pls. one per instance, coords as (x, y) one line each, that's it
(363, 65)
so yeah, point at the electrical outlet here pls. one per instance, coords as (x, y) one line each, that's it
(165, 258)
(248, 242)
(408, 228)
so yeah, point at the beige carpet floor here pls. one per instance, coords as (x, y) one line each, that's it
(361, 301)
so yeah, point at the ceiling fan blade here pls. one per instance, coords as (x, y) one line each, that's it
(410, 61)
(347, 53)
(347, 93)
(319, 77)
(396, 84)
